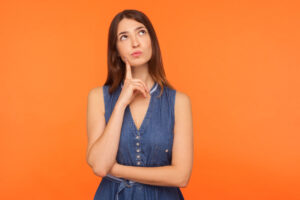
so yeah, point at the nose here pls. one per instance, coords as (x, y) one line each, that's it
(135, 41)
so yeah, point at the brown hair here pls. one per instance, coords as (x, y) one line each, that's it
(116, 66)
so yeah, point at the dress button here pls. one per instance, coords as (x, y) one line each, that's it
(137, 137)
(138, 150)
(138, 156)
(137, 144)
(138, 162)
(166, 150)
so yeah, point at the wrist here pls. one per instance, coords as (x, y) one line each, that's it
(114, 170)
(119, 106)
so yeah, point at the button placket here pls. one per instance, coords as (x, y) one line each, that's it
(138, 149)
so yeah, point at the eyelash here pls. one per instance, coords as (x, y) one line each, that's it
(125, 35)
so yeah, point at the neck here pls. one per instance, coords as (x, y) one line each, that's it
(142, 73)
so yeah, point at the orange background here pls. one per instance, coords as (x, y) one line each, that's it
(237, 60)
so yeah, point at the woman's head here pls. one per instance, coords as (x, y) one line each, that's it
(133, 36)
(130, 31)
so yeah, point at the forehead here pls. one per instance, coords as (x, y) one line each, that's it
(128, 25)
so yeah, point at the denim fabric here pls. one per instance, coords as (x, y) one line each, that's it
(150, 146)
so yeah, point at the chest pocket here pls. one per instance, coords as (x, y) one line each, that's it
(161, 153)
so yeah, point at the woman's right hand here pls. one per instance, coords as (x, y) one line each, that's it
(131, 87)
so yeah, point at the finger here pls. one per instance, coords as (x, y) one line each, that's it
(143, 84)
(140, 81)
(140, 88)
(128, 69)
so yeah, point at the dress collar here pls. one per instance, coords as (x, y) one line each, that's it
(153, 89)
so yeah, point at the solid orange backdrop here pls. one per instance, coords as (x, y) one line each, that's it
(237, 60)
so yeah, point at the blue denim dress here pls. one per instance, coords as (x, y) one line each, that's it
(148, 146)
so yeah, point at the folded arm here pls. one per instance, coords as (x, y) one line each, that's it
(162, 176)
(178, 173)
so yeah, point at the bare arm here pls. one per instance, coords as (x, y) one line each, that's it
(178, 173)
(163, 176)
(103, 140)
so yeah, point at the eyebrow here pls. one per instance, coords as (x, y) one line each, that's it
(140, 27)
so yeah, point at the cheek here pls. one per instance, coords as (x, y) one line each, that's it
(121, 47)
(148, 42)
(150, 49)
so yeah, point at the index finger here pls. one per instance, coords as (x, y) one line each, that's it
(128, 70)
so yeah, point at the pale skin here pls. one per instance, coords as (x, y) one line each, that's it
(103, 139)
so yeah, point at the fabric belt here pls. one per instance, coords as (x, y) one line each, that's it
(123, 183)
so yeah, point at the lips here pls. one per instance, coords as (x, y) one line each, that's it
(136, 53)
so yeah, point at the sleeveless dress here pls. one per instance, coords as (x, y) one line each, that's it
(149, 146)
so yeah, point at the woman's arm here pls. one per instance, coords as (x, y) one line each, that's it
(178, 173)
(103, 140)
(163, 176)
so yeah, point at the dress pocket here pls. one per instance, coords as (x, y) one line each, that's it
(160, 154)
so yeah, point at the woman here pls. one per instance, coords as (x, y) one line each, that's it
(140, 140)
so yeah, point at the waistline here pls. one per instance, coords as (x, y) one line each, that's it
(124, 183)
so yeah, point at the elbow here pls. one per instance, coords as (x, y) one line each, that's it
(184, 181)
(182, 177)
(99, 172)
(183, 184)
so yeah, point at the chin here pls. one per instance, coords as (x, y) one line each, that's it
(138, 62)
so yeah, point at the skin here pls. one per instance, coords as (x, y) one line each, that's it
(178, 173)
(183, 141)
(131, 41)
(133, 36)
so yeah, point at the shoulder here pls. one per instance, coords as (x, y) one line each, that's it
(178, 98)
(95, 92)
(182, 101)
(95, 97)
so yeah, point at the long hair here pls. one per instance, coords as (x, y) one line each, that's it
(116, 66)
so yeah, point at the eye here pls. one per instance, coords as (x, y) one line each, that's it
(139, 32)
(122, 37)
(143, 31)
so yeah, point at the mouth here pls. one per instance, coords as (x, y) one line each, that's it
(136, 54)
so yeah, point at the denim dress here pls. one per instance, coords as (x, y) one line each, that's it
(148, 146)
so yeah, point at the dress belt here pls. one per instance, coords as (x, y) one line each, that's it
(123, 183)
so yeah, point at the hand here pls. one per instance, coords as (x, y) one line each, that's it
(132, 87)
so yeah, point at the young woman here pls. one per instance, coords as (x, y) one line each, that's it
(140, 134)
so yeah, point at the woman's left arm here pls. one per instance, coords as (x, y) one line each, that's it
(178, 173)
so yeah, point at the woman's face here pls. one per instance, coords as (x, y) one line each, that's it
(133, 36)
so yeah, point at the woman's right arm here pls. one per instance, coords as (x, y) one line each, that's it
(103, 140)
